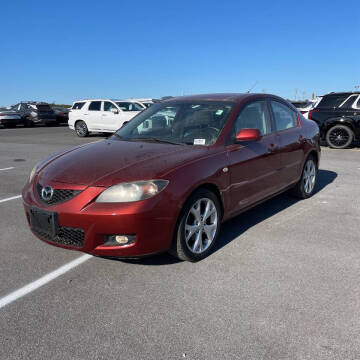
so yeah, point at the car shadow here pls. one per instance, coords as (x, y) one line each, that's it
(238, 225)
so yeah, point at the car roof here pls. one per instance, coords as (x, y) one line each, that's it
(228, 97)
(342, 93)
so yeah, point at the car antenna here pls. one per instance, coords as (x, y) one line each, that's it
(252, 86)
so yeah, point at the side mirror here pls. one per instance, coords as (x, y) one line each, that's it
(248, 135)
(114, 111)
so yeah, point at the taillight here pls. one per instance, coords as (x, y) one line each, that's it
(299, 122)
(310, 113)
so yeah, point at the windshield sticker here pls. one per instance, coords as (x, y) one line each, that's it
(199, 141)
(219, 112)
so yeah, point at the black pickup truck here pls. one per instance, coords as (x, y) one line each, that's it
(338, 117)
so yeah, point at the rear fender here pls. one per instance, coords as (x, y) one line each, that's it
(338, 121)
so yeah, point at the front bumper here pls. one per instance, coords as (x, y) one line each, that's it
(152, 221)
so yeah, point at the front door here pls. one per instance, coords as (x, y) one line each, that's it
(253, 165)
(110, 116)
(291, 141)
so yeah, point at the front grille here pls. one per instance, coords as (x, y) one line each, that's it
(65, 236)
(59, 196)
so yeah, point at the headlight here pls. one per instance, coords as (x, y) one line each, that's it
(134, 191)
(33, 172)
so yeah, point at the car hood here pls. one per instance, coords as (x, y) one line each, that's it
(109, 162)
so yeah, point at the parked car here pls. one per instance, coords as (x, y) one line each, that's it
(9, 118)
(101, 115)
(338, 117)
(145, 102)
(305, 110)
(35, 113)
(62, 114)
(167, 184)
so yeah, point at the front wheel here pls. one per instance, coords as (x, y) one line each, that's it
(306, 185)
(81, 129)
(339, 137)
(198, 227)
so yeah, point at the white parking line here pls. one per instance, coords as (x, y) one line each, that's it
(10, 198)
(9, 168)
(17, 294)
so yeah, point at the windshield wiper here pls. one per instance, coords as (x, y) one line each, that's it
(155, 140)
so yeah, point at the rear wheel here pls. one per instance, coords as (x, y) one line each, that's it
(339, 137)
(28, 123)
(198, 227)
(81, 129)
(306, 185)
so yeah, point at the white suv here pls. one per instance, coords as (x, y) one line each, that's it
(101, 115)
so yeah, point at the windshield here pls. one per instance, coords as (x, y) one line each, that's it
(129, 106)
(186, 123)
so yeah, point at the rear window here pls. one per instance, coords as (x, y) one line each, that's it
(43, 107)
(332, 100)
(78, 105)
(95, 106)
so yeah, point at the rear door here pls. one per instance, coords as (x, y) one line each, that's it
(291, 138)
(253, 166)
(93, 116)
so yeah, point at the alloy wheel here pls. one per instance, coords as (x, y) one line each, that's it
(309, 176)
(339, 137)
(201, 225)
(81, 128)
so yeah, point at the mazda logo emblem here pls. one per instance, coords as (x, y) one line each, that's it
(47, 193)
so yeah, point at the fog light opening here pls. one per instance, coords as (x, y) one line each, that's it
(119, 240)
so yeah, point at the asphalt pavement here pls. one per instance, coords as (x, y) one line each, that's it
(283, 282)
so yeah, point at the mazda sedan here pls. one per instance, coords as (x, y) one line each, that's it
(167, 179)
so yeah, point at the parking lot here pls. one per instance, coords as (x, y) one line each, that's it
(283, 282)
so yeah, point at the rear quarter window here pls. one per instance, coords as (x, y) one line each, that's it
(77, 105)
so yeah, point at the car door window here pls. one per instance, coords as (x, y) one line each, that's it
(95, 106)
(253, 116)
(108, 106)
(357, 105)
(284, 117)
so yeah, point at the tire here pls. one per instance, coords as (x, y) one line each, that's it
(195, 235)
(339, 137)
(28, 123)
(81, 129)
(306, 185)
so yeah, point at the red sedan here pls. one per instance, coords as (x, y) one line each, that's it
(169, 178)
